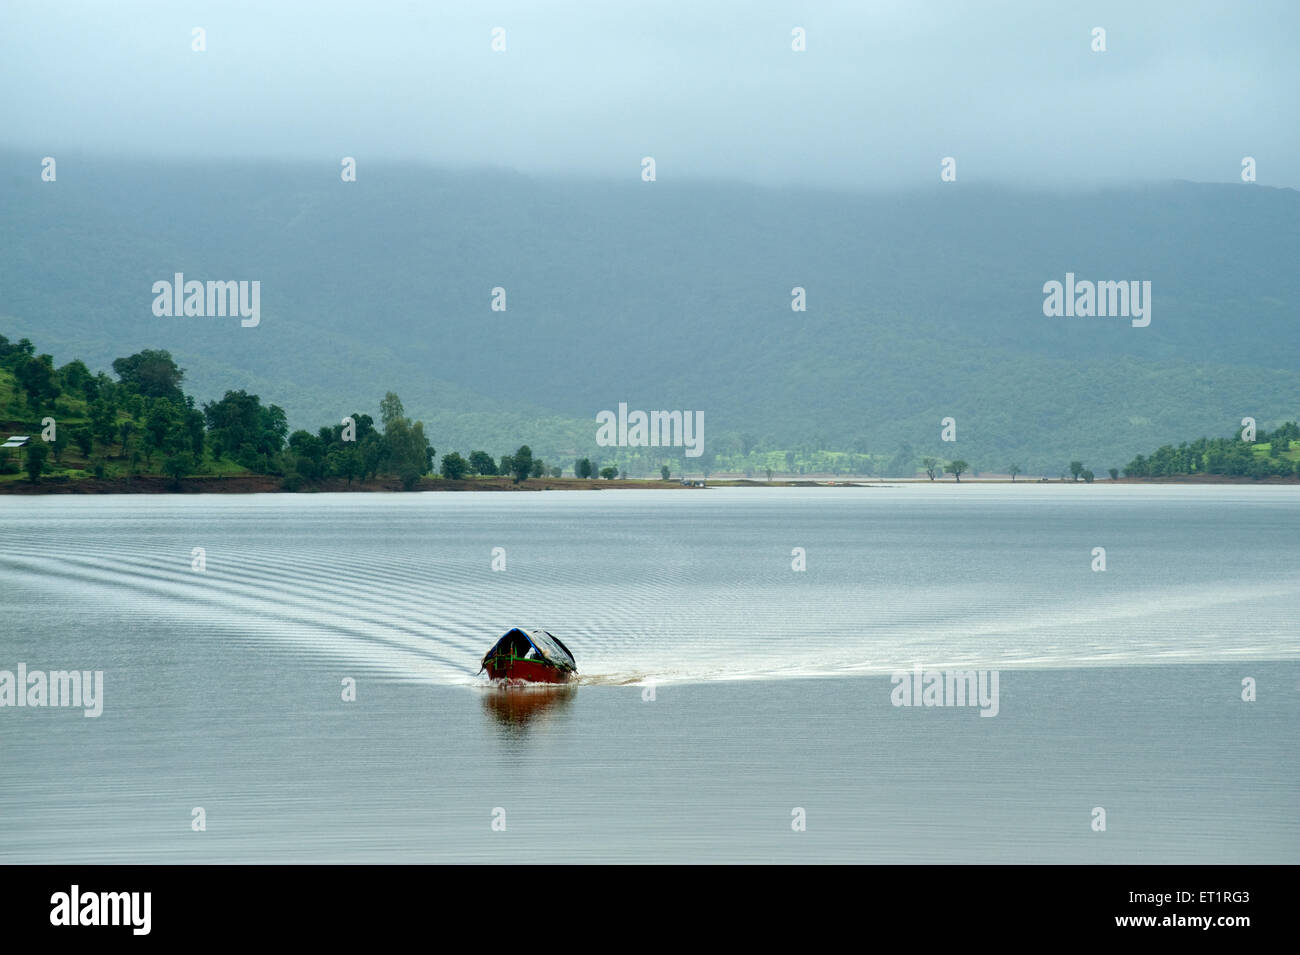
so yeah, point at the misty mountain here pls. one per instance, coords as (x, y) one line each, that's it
(668, 295)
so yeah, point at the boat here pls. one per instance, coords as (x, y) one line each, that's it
(529, 656)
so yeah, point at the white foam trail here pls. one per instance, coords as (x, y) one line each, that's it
(424, 607)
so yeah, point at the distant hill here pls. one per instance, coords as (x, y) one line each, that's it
(676, 296)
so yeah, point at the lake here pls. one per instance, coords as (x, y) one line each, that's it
(725, 698)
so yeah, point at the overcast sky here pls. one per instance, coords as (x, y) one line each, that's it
(1013, 90)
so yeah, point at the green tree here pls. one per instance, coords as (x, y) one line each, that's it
(124, 429)
(932, 466)
(480, 462)
(609, 473)
(246, 430)
(35, 376)
(76, 377)
(101, 387)
(274, 427)
(22, 348)
(454, 466)
(372, 455)
(1013, 471)
(310, 452)
(345, 462)
(103, 420)
(1076, 469)
(351, 464)
(59, 444)
(177, 465)
(412, 455)
(84, 440)
(162, 430)
(539, 469)
(521, 463)
(151, 373)
(195, 429)
(957, 468)
(37, 452)
(391, 410)
(666, 472)
(1114, 474)
(409, 452)
(583, 468)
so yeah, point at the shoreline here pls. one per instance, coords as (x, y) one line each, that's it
(271, 484)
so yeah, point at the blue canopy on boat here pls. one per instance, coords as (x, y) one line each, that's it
(533, 643)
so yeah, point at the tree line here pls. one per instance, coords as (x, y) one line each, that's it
(1269, 455)
(142, 418)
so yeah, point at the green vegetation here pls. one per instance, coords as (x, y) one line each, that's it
(36, 454)
(480, 462)
(1272, 454)
(142, 423)
(408, 452)
(75, 419)
(454, 467)
(521, 463)
(942, 288)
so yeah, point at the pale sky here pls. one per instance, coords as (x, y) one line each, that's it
(883, 92)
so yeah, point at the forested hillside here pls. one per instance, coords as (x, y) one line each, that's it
(673, 295)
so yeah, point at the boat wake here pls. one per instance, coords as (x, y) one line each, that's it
(672, 615)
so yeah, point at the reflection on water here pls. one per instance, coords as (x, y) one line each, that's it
(517, 706)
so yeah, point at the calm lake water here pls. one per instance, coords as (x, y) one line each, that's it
(721, 690)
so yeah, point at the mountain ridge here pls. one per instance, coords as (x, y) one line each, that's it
(921, 305)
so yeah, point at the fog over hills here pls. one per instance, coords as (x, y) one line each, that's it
(921, 304)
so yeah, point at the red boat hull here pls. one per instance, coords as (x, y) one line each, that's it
(525, 671)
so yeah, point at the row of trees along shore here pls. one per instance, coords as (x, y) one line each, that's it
(1273, 453)
(142, 422)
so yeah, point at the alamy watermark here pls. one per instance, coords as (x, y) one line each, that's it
(653, 429)
(201, 300)
(1085, 299)
(76, 907)
(920, 687)
(82, 688)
